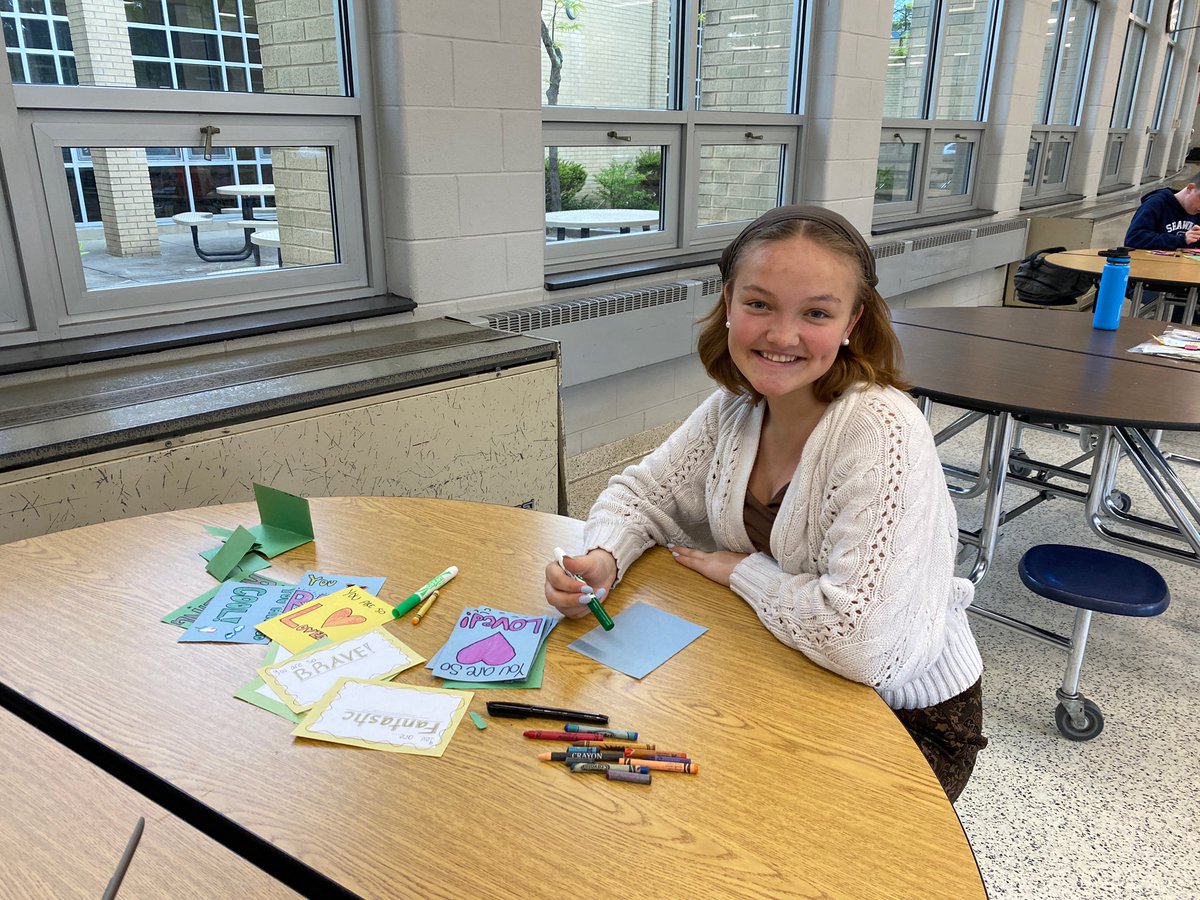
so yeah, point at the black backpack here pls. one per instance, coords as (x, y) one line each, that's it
(1039, 282)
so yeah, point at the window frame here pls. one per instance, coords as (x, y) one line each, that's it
(1129, 80)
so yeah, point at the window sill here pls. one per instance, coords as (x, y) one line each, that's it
(1112, 189)
(169, 337)
(927, 221)
(1040, 202)
(563, 280)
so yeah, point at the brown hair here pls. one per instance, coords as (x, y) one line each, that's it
(873, 355)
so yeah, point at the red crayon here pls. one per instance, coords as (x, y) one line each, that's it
(561, 736)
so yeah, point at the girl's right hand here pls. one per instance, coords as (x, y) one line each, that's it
(598, 568)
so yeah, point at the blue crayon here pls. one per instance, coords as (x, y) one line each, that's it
(608, 732)
(664, 758)
(607, 767)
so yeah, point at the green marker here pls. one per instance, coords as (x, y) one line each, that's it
(423, 592)
(602, 617)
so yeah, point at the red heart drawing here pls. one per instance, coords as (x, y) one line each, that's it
(494, 650)
(344, 616)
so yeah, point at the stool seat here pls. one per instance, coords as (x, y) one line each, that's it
(192, 218)
(1094, 579)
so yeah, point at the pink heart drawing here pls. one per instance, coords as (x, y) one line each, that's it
(494, 650)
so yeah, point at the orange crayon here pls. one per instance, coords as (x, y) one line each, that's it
(656, 765)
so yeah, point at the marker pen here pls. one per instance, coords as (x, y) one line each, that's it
(593, 604)
(423, 592)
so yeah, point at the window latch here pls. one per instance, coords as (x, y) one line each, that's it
(751, 136)
(208, 131)
(897, 136)
(619, 137)
(960, 137)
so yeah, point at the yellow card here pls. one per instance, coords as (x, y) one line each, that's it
(338, 616)
(398, 718)
(302, 680)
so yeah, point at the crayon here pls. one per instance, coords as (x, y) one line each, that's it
(659, 757)
(635, 777)
(606, 767)
(607, 744)
(582, 756)
(607, 732)
(687, 768)
(425, 608)
(642, 754)
(560, 736)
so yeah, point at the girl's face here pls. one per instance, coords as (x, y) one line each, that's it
(790, 307)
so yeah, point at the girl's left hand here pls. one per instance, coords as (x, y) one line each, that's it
(716, 566)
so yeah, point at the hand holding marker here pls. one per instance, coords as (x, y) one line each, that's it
(590, 598)
(423, 593)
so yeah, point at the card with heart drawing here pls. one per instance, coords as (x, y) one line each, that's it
(341, 615)
(491, 645)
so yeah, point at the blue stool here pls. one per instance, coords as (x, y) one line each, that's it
(1091, 581)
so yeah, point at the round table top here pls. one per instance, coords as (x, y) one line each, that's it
(809, 785)
(246, 190)
(602, 218)
(1182, 269)
(1046, 365)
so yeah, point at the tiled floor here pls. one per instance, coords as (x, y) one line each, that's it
(1117, 817)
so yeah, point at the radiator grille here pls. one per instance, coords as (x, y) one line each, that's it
(883, 251)
(1001, 227)
(941, 240)
(534, 317)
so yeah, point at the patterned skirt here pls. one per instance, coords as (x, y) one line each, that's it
(949, 734)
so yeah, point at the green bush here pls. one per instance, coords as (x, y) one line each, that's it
(571, 178)
(649, 168)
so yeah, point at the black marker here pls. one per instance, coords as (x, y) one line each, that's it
(525, 711)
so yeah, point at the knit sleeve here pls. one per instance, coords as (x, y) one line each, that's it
(874, 606)
(662, 498)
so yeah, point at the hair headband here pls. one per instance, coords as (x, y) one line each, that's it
(828, 218)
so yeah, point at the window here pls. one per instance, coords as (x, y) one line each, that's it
(1127, 87)
(1158, 139)
(651, 151)
(939, 66)
(1069, 30)
(173, 170)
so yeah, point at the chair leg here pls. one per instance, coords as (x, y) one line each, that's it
(1068, 694)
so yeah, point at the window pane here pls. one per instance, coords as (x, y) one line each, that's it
(141, 243)
(606, 53)
(1162, 89)
(1141, 9)
(1149, 154)
(192, 31)
(950, 169)
(1049, 57)
(1077, 34)
(738, 182)
(895, 173)
(960, 83)
(1131, 63)
(908, 62)
(1031, 162)
(596, 192)
(1057, 153)
(745, 56)
(1112, 159)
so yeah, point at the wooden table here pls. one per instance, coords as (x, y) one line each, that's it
(808, 787)
(1052, 367)
(1147, 269)
(65, 824)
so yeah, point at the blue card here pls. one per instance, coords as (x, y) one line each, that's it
(642, 639)
(491, 645)
(232, 614)
(317, 584)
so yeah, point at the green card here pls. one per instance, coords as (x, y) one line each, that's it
(229, 556)
(258, 693)
(285, 521)
(536, 668)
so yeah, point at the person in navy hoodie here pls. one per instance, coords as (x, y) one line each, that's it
(1166, 220)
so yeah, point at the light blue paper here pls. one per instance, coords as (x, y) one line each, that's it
(642, 639)
(491, 645)
(314, 585)
(232, 615)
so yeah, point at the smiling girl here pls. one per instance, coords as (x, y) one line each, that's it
(809, 484)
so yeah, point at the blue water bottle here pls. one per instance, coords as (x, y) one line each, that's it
(1111, 296)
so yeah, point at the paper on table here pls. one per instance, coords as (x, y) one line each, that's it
(536, 672)
(234, 611)
(341, 615)
(305, 678)
(384, 716)
(644, 638)
(491, 645)
(285, 521)
(258, 693)
(229, 555)
(186, 614)
(313, 585)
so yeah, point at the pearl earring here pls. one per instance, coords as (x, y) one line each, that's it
(845, 342)
(726, 323)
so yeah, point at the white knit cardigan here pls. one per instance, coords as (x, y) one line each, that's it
(860, 576)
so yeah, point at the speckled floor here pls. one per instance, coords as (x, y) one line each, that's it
(1116, 817)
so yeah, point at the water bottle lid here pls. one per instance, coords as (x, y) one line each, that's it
(1116, 252)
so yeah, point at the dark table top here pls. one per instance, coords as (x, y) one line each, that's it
(1046, 366)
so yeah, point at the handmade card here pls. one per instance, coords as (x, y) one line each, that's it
(304, 679)
(384, 716)
(234, 611)
(341, 615)
(285, 522)
(642, 640)
(492, 645)
(186, 614)
(316, 584)
(224, 559)
(532, 681)
(258, 693)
